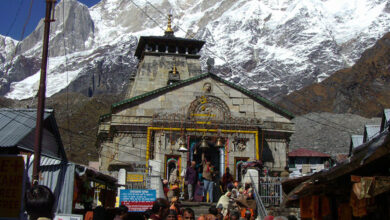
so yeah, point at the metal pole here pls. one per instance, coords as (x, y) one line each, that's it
(41, 93)
(280, 193)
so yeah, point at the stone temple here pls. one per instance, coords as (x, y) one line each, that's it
(174, 113)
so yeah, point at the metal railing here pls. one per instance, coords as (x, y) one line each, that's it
(261, 211)
(270, 191)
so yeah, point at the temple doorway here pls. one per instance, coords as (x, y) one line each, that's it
(238, 161)
(172, 167)
(211, 154)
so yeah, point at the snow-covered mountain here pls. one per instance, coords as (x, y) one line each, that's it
(273, 46)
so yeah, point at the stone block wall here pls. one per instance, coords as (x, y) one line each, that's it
(153, 72)
(179, 100)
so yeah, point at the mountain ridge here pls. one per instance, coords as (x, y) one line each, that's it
(273, 47)
(363, 89)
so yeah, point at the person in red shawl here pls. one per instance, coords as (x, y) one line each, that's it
(165, 187)
(226, 179)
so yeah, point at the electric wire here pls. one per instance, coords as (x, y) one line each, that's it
(22, 123)
(226, 62)
(21, 38)
(247, 78)
(93, 138)
(27, 20)
(229, 64)
(67, 75)
(207, 49)
(16, 16)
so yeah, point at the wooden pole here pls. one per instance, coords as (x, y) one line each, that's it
(41, 93)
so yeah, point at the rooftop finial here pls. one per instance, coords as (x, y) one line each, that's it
(169, 31)
(174, 69)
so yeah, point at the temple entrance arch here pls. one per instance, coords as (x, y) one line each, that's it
(213, 154)
(172, 167)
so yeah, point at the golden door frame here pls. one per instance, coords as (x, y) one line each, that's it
(150, 129)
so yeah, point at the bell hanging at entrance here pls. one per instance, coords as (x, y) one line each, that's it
(219, 143)
(182, 147)
(203, 144)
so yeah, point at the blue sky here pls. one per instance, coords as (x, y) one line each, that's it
(14, 13)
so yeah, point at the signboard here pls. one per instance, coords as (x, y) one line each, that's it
(68, 217)
(11, 186)
(134, 177)
(137, 200)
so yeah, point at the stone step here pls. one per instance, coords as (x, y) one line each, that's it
(198, 207)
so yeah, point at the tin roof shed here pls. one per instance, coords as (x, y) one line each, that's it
(385, 119)
(370, 131)
(17, 132)
(356, 140)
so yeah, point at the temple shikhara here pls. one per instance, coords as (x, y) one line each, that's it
(174, 113)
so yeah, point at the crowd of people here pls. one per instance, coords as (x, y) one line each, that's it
(202, 182)
(234, 200)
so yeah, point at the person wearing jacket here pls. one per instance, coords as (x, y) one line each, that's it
(190, 180)
(208, 180)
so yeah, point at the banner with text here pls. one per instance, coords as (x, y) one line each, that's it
(11, 186)
(137, 200)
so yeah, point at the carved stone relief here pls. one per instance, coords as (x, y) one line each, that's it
(208, 108)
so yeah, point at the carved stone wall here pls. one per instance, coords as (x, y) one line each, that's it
(179, 101)
(153, 72)
(206, 97)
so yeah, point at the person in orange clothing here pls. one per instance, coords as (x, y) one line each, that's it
(174, 191)
(174, 205)
(245, 210)
(247, 213)
(89, 215)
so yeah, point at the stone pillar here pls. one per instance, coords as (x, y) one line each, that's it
(186, 50)
(221, 161)
(287, 150)
(156, 47)
(146, 47)
(166, 49)
(177, 49)
(121, 179)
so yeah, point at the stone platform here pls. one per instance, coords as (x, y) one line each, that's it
(198, 207)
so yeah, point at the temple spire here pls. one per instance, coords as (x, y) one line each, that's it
(169, 31)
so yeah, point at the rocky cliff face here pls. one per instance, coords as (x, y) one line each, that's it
(363, 89)
(328, 132)
(272, 46)
(70, 31)
(7, 45)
